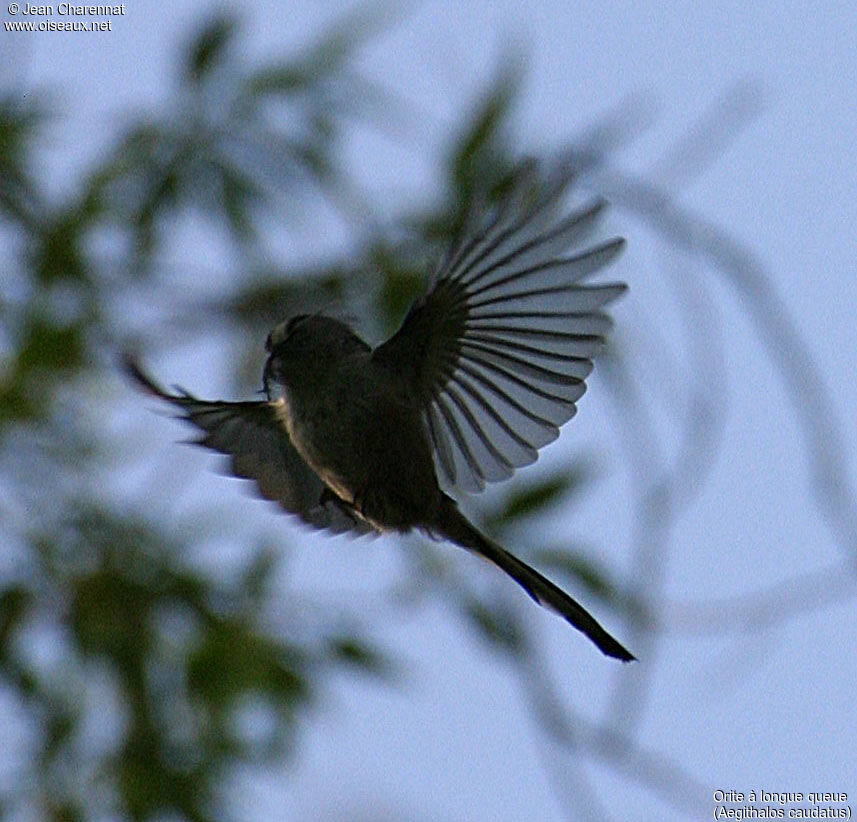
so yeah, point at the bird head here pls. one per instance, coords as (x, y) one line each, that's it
(302, 348)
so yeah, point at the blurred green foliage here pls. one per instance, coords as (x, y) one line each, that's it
(104, 617)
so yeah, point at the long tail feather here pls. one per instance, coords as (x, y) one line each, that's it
(454, 526)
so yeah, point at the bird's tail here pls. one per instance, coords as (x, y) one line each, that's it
(454, 526)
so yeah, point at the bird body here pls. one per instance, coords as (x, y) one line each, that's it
(351, 404)
(481, 374)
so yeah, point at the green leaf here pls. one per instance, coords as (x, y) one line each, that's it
(285, 79)
(257, 576)
(586, 572)
(497, 625)
(20, 121)
(233, 659)
(338, 44)
(57, 254)
(46, 353)
(480, 155)
(47, 346)
(209, 48)
(541, 494)
(356, 653)
(15, 602)
(110, 616)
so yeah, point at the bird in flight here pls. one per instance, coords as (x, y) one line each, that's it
(483, 371)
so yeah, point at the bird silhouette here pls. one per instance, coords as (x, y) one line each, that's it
(483, 371)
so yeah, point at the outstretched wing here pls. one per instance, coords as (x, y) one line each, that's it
(499, 349)
(260, 449)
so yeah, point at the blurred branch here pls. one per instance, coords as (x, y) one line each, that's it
(820, 429)
(714, 132)
(761, 608)
(651, 524)
(617, 748)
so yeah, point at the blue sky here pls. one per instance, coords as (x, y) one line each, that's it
(772, 709)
